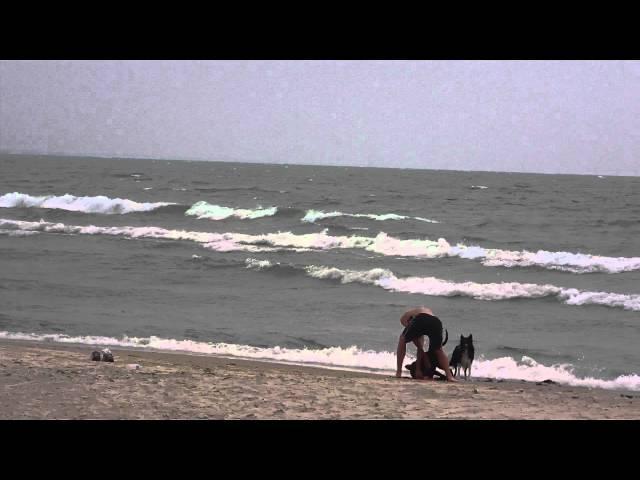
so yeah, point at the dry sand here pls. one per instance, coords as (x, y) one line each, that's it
(44, 381)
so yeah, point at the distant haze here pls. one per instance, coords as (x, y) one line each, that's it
(521, 116)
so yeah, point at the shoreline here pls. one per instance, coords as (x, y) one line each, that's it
(59, 381)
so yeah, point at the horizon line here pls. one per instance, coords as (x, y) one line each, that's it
(95, 156)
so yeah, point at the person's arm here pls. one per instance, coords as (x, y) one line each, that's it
(402, 350)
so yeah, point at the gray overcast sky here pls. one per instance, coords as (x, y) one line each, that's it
(552, 117)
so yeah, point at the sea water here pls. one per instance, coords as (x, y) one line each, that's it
(316, 264)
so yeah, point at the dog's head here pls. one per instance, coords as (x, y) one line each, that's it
(427, 372)
(412, 369)
(466, 341)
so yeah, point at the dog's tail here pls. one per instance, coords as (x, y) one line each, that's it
(446, 337)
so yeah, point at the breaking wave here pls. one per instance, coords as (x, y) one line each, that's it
(99, 204)
(314, 215)
(348, 358)
(218, 212)
(220, 242)
(382, 244)
(479, 291)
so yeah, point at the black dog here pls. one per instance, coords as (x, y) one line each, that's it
(428, 369)
(462, 356)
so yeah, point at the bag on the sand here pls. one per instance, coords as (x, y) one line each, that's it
(105, 355)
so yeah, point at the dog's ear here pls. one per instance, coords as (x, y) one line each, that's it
(470, 337)
(461, 337)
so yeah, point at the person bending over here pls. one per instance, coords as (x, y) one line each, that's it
(419, 322)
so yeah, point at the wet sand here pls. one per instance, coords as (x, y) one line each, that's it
(54, 381)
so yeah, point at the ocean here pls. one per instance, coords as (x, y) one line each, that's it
(315, 265)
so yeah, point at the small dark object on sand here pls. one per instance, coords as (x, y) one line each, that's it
(104, 355)
(550, 382)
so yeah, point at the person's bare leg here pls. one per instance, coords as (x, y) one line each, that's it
(443, 361)
(419, 362)
(419, 343)
(428, 366)
(419, 355)
(400, 352)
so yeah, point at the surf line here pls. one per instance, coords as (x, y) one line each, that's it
(382, 244)
(433, 286)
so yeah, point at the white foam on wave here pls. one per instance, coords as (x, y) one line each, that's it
(218, 212)
(352, 357)
(565, 261)
(479, 187)
(386, 245)
(382, 244)
(479, 291)
(17, 233)
(491, 257)
(528, 369)
(221, 242)
(314, 215)
(425, 248)
(98, 204)
(257, 264)
(227, 242)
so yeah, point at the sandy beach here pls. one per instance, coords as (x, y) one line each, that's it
(45, 381)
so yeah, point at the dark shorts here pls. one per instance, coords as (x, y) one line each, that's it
(424, 324)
